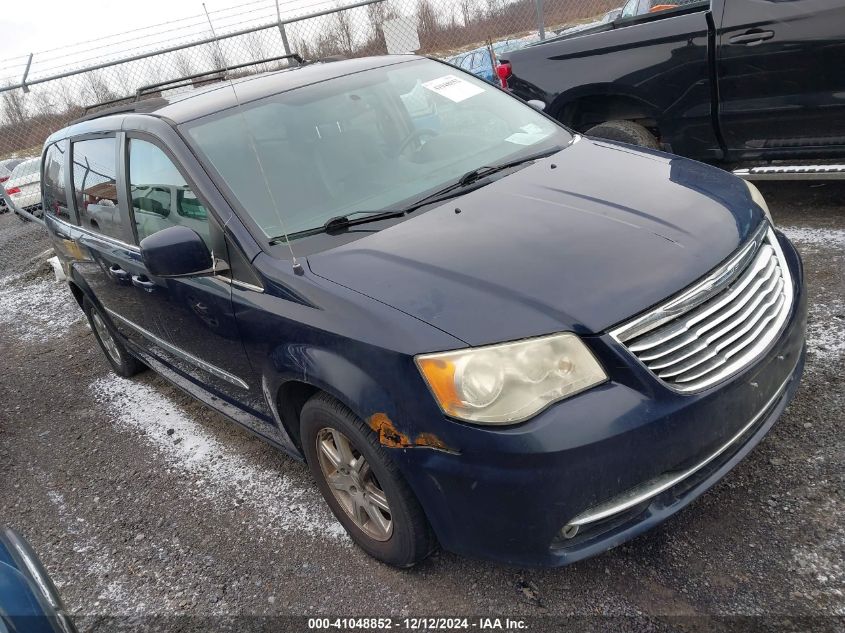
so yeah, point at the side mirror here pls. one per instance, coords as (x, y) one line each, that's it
(536, 104)
(176, 251)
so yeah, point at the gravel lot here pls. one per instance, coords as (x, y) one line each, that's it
(141, 501)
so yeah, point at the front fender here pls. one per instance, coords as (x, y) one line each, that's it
(385, 391)
(328, 371)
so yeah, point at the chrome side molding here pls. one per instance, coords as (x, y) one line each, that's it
(792, 172)
(214, 370)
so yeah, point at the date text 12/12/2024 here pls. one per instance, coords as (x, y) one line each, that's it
(417, 624)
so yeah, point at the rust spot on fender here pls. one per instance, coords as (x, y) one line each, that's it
(387, 433)
(391, 437)
(430, 440)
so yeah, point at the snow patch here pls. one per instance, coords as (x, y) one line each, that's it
(224, 475)
(814, 237)
(37, 310)
(826, 330)
(822, 561)
(114, 597)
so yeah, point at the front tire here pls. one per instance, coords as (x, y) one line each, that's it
(626, 132)
(121, 360)
(362, 486)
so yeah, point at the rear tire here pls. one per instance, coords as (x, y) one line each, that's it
(365, 485)
(625, 132)
(122, 362)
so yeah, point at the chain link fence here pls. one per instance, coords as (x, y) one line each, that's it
(44, 91)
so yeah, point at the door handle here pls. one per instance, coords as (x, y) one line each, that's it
(752, 37)
(141, 281)
(116, 272)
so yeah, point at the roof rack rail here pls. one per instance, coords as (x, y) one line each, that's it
(128, 105)
(136, 104)
(88, 108)
(188, 80)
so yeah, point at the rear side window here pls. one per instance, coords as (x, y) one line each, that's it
(53, 185)
(160, 195)
(95, 186)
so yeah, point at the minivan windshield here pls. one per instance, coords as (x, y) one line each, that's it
(377, 139)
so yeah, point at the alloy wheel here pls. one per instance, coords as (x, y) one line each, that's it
(353, 483)
(106, 337)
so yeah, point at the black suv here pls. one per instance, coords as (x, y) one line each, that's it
(716, 80)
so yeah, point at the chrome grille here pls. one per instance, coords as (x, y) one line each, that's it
(720, 324)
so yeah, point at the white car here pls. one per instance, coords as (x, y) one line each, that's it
(6, 167)
(23, 188)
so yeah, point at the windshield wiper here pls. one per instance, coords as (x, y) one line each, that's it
(486, 170)
(341, 222)
(470, 181)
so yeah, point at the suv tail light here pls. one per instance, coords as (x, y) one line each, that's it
(3, 179)
(13, 190)
(503, 71)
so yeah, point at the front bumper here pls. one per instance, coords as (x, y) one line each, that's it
(624, 456)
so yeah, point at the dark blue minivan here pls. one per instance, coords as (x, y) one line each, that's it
(478, 328)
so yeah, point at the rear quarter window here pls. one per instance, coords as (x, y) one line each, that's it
(54, 193)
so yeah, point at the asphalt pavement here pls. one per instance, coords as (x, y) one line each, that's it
(143, 502)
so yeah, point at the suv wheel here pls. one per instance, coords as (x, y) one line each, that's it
(363, 488)
(120, 359)
(626, 132)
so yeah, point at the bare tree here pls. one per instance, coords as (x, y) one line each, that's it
(66, 98)
(303, 48)
(378, 14)
(466, 11)
(344, 31)
(14, 108)
(256, 49)
(215, 56)
(43, 102)
(121, 83)
(494, 9)
(184, 65)
(427, 19)
(99, 87)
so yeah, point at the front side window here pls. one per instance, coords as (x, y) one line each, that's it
(372, 140)
(642, 7)
(95, 186)
(53, 185)
(160, 194)
(630, 9)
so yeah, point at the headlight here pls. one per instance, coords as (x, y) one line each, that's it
(757, 197)
(510, 382)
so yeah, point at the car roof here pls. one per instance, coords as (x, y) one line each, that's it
(199, 102)
(27, 161)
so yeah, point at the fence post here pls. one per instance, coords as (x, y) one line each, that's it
(24, 87)
(282, 31)
(541, 27)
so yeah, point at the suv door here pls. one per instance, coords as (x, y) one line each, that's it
(107, 258)
(779, 67)
(196, 313)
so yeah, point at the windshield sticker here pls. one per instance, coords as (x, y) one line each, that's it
(528, 135)
(453, 88)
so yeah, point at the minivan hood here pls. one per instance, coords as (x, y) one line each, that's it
(580, 241)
